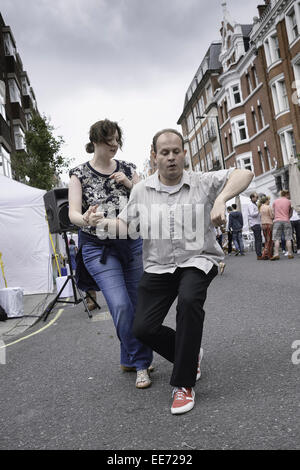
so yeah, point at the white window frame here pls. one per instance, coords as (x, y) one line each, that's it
(201, 105)
(234, 93)
(249, 82)
(261, 113)
(236, 129)
(279, 95)
(272, 51)
(243, 163)
(2, 101)
(296, 68)
(293, 28)
(209, 159)
(194, 147)
(255, 76)
(209, 92)
(262, 160)
(288, 146)
(190, 122)
(5, 162)
(256, 126)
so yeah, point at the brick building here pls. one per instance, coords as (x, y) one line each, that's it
(17, 99)
(254, 91)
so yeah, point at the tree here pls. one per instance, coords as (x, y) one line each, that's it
(41, 163)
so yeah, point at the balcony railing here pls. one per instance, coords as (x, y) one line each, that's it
(18, 113)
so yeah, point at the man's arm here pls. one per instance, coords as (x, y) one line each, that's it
(237, 182)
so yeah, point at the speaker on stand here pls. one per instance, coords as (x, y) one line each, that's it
(57, 210)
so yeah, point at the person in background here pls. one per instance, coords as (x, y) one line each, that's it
(115, 265)
(282, 213)
(266, 215)
(295, 221)
(229, 232)
(236, 226)
(255, 224)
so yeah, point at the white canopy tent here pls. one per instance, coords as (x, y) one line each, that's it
(24, 238)
(244, 203)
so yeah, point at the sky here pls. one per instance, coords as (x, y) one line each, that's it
(129, 61)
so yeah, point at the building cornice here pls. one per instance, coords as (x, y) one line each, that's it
(268, 19)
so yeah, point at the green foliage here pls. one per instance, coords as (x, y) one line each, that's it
(41, 164)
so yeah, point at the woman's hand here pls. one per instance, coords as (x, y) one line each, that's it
(121, 178)
(91, 217)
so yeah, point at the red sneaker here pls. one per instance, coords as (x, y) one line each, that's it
(183, 400)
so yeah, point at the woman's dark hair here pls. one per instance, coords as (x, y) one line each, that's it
(102, 132)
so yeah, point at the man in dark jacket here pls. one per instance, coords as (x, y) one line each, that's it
(236, 225)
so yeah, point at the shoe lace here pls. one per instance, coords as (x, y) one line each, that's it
(180, 393)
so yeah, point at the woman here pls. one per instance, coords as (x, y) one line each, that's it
(266, 215)
(104, 183)
(73, 251)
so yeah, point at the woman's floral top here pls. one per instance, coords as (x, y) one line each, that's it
(98, 188)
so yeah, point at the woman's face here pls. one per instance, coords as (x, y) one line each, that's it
(110, 148)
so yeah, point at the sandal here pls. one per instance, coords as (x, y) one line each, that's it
(142, 379)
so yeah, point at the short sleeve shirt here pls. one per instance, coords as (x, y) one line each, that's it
(98, 188)
(191, 241)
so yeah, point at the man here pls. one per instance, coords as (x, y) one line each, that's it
(281, 225)
(236, 225)
(255, 224)
(176, 212)
(229, 233)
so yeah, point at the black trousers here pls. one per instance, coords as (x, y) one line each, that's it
(257, 238)
(156, 294)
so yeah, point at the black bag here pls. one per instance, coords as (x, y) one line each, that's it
(3, 314)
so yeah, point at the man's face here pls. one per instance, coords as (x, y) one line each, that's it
(169, 158)
(254, 198)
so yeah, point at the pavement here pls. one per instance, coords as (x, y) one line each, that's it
(34, 306)
(62, 387)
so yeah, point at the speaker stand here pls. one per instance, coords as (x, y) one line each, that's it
(71, 278)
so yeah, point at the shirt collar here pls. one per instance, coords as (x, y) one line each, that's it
(154, 182)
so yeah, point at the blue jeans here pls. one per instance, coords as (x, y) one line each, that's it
(119, 287)
(237, 239)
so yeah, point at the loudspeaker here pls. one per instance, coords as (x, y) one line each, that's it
(57, 209)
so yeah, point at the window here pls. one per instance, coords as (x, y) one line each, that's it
(9, 47)
(209, 93)
(194, 146)
(272, 49)
(268, 157)
(262, 162)
(25, 86)
(199, 140)
(209, 161)
(249, 83)
(19, 138)
(236, 94)
(245, 162)
(226, 145)
(255, 122)
(190, 122)
(296, 84)
(2, 99)
(292, 23)
(230, 142)
(288, 145)
(14, 92)
(255, 77)
(5, 164)
(239, 130)
(280, 97)
(201, 105)
(261, 115)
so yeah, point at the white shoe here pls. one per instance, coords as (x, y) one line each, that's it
(298, 252)
(286, 253)
(199, 364)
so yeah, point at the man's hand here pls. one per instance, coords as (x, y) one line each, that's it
(217, 215)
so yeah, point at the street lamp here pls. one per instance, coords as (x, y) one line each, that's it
(219, 134)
